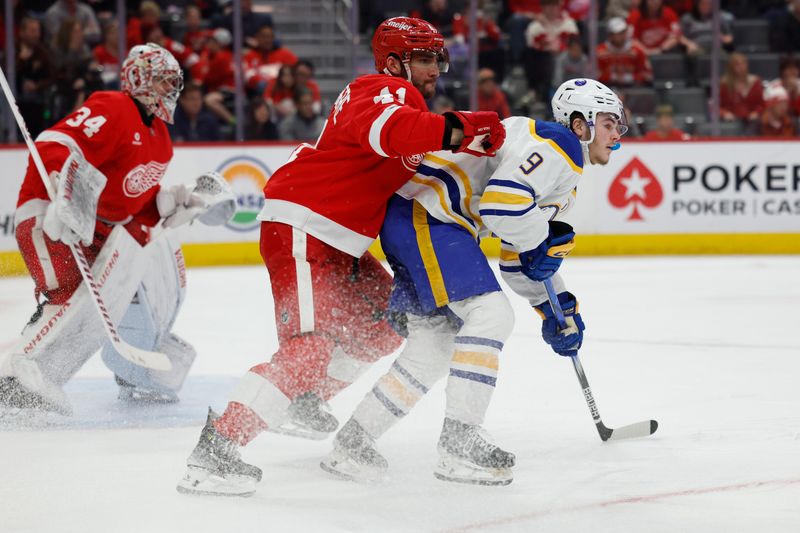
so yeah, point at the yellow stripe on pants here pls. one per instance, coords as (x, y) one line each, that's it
(428, 254)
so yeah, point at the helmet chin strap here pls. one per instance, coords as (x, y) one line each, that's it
(406, 68)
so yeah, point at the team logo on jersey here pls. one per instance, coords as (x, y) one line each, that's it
(247, 177)
(143, 178)
(411, 162)
(635, 184)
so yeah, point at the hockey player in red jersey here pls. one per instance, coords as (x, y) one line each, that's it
(322, 210)
(119, 142)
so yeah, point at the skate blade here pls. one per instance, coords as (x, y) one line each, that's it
(457, 470)
(199, 481)
(304, 432)
(341, 466)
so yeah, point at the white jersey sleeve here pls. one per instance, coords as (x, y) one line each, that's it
(534, 182)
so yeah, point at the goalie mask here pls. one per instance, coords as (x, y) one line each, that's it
(152, 76)
(588, 98)
(401, 36)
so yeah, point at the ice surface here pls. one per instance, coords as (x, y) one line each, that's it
(710, 347)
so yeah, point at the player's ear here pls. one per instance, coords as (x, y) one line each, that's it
(580, 127)
(394, 65)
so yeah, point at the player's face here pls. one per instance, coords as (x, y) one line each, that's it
(424, 72)
(607, 133)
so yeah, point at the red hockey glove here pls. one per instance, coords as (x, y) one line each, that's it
(483, 133)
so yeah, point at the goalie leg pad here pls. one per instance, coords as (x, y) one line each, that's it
(63, 338)
(150, 317)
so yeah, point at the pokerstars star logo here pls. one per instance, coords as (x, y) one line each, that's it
(637, 185)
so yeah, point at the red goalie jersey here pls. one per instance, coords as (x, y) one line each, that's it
(375, 137)
(109, 132)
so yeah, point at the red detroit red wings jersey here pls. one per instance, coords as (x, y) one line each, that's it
(108, 130)
(374, 138)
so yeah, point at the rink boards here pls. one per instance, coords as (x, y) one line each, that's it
(702, 197)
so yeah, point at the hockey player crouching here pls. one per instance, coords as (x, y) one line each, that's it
(105, 161)
(455, 315)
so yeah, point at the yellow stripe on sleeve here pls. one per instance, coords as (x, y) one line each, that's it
(556, 147)
(495, 197)
(434, 272)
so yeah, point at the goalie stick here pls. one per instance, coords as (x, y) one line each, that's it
(639, 429)
(144, 358)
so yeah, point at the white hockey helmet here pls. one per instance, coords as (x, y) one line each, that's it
(588, 98)
(152, 76)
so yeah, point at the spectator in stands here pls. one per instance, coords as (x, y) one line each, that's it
(192, 121)
(784, 28)
(438, 13)
(194, 38)
(620, 8)
(215, 72)
(697, 34)
(149, 16)
(546, 37)
(262, 63)
(741, 94)
(680, 7)
(63, 10)
(185, 56)
(280, 93)
(571, 63)
(259, 125)
(74, 72)
(655, 26)
(106, 54)
(490, 53)
(523, 12)
(621, 60)
(790, 80)
(33, 74)
(776, 120)
(252, 21)
(665, 129)
(305, 124)
(490, 97)
(303, 72)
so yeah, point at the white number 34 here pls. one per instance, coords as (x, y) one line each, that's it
(91, 125)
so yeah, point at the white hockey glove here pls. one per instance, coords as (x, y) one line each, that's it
(178, 206)
(72, 214)
(211, 201)
(55, 228)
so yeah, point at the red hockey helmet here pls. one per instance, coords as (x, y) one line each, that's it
(403, 35)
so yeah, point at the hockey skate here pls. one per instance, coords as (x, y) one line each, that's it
(354, 456)
(134, 394)
(215, 468)
(466, 455)
(308, 419)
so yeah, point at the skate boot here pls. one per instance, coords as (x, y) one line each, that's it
(134, 394)
(215, 468)
(354, 456)
(466, 455)
(308, 418)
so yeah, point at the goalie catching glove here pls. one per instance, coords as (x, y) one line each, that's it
(210, 200)
(483, 132)
(543, 261)
(568, 341)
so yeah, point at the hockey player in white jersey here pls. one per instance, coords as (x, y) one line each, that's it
(455, 316)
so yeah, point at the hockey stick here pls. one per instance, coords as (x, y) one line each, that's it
(639, 429)
(147, 359)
